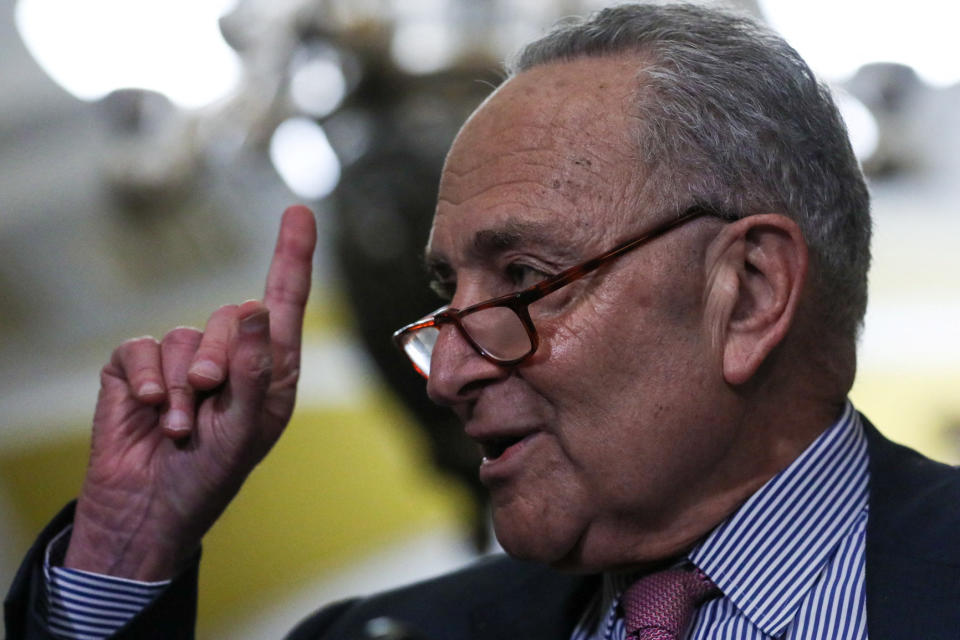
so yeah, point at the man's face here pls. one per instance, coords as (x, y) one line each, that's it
(602, 448)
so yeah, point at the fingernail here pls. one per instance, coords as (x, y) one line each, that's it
(178, 421)
(149, 389)
(207, 369)
(255, 322)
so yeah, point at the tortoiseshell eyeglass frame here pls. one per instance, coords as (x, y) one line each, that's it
(519, 301)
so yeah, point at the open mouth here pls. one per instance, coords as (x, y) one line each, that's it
(494, 448)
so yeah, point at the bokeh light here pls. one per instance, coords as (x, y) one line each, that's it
(837, 38)
(303, 157)
(93, 47)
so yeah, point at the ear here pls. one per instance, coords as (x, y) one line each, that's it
(756, 270)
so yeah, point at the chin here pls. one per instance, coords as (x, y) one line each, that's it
(572, 546)
(561, 555)
(543, 542)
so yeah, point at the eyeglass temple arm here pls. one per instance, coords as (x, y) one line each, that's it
(564, 277)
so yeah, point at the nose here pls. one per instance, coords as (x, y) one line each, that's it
(457, 372)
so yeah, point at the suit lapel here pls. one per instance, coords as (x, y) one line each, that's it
(546, 606)
(913, 544)
(912, 562)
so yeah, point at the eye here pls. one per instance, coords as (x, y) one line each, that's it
(444, 290)
(443, 279)
(523, 276)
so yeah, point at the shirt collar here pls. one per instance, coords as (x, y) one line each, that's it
(769, 554)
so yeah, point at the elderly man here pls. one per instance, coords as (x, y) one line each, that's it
(654, 239)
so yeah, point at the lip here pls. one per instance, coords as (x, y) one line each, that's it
(510, 461)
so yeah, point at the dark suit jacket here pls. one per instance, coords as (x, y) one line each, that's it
(913, 578)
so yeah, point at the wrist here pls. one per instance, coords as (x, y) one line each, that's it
(123, 546)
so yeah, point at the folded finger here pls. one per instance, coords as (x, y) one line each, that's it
(138, 361)
(177, 350)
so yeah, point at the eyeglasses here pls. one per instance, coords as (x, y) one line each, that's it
(500, 329)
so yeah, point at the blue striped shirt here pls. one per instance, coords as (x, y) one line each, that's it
(790, 561)
(90, 606)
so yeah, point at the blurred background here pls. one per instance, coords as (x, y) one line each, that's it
(148, 147)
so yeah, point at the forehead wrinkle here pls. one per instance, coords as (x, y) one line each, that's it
(520, 138)
(474, 160)
(578, 177)
(490, 187)
(569, 143)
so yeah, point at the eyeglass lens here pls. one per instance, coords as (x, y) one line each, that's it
(496, 330)
(499, 332)
(418, 345)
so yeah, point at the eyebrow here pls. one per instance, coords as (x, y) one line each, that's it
(493, 241)
(512, 234)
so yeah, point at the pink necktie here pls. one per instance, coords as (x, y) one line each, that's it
(660, 606)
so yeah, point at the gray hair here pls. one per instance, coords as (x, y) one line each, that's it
(736, 120)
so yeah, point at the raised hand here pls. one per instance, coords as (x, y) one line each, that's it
(180, 422)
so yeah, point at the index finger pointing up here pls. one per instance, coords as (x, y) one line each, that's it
(288, 285)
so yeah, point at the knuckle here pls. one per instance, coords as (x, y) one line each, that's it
(108, 373)
(132, 351)
(179, 390)
(144, 373)
(289, 370)
(214, 342)
(136, 344)
(183, 335)
(213, 350)
(287, 291)
(259, 368)
(139, 340)
(290, 379)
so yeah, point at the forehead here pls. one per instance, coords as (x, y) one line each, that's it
(550, 153)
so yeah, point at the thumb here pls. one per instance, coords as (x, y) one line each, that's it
(251, 365)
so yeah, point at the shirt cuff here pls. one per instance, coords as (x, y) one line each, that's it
(89, 606)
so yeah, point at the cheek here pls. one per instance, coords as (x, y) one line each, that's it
(543, 513)
(590, 360)
(621, 385)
